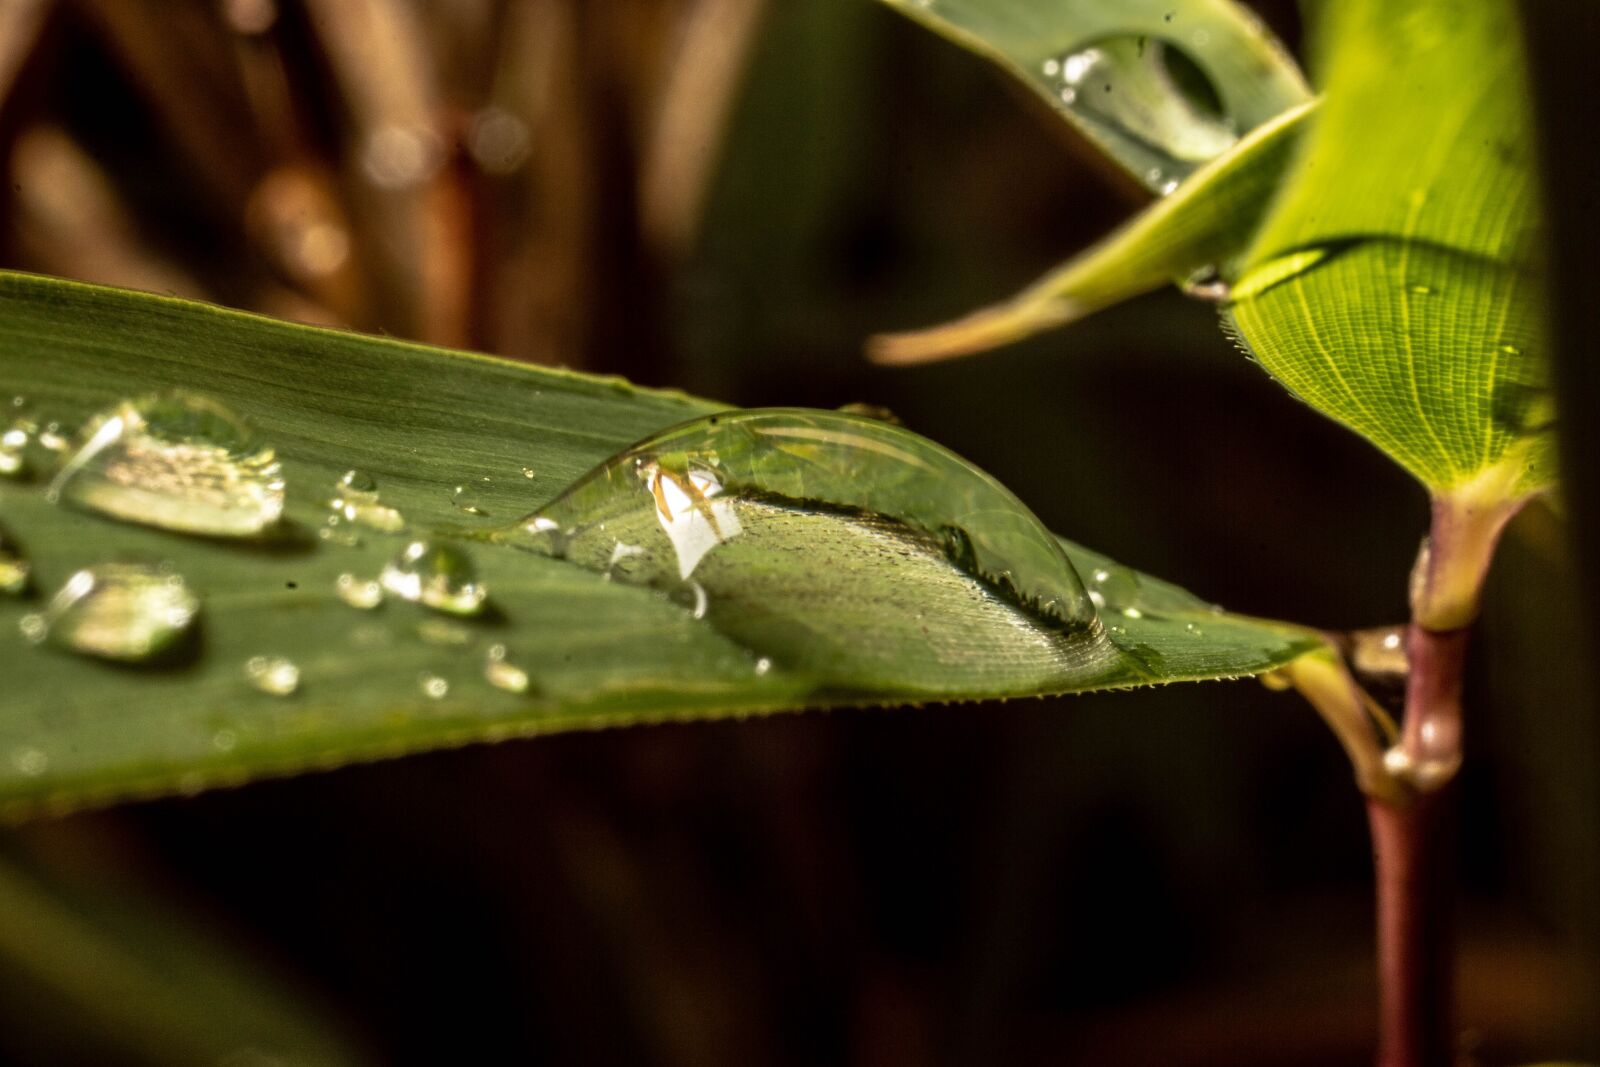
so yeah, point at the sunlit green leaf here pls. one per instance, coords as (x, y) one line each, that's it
(1161, 86)
(905, 624)
(1392, 286)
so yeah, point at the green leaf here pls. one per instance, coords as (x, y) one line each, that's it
(908, 625)
(1392, 286)
(1161, 86)
(1199, 229)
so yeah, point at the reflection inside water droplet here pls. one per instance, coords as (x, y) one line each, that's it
(118, 611)
(177, 461)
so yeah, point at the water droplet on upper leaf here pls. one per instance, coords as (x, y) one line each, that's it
(1149, 98)
(437, 574)
(433, 686)
(127, 612)
(273, 674)
(177, 461)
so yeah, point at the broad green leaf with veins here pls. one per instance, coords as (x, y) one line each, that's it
(1392, 286)
(1161, 86)
(854, 564)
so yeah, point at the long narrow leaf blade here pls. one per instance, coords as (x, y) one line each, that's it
(594, 652)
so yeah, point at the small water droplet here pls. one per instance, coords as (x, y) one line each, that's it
(358, 482)
(467, 498)
(763, 665)
(1052, 67)
(527, 472)
(1117, 629)
(54, 438)
(433, 686)
(1193, 629)
(1422, 290)
(356, 501)
(14, 450)
(225, 740)
(1510, 350)
(273, 674)
(30, 761)
(363, 593)
(118, 611)
(15, 569)
(1132, 613)
(503, 674)
(177, 461)
(437, 574)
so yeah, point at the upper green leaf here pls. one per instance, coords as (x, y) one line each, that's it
(1161, 86)
(829, 600)
(1392, 286)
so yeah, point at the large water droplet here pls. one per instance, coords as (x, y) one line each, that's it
(15, 568)
(273, 674)
(835, 548)
(1146, 97)
(174, 460)
(437, 574)
(716, 498)
(118, 611)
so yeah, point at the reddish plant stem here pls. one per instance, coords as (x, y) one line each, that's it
(1414, 859)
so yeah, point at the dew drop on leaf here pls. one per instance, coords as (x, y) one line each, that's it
(501, 673)
(126, 612)
(273, 674)
(808, 536)
(1146, 96)
(436, 574)
(174, 460)
(363, 593)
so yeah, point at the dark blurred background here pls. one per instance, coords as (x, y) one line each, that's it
(728, 196)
